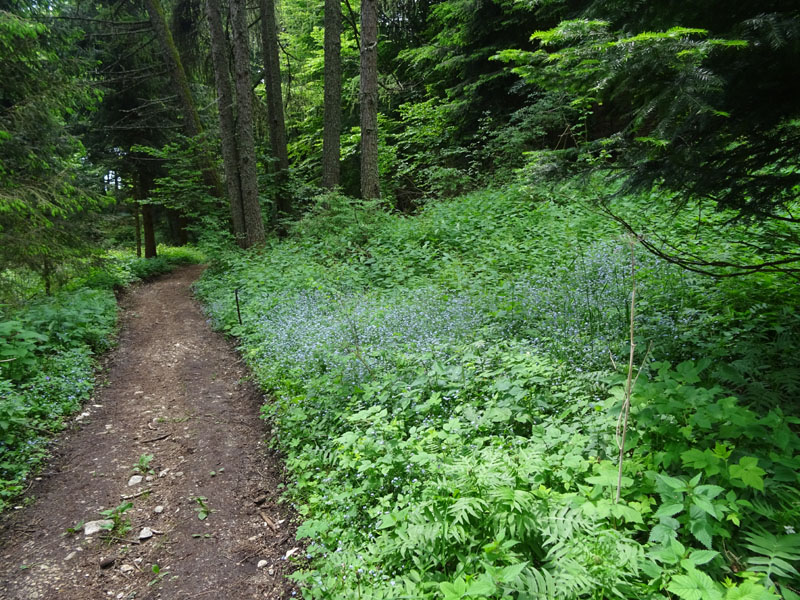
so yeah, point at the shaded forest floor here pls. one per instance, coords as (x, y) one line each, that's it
(175, 391)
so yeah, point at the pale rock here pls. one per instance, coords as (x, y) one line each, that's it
(126, 568)
(93, 527)
(158, 509)
(261, 564)
(135, 480)
(146, 533)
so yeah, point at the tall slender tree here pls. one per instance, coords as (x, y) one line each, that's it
(230, 155)
(368, 99)
(142, 186)
(254, 224)
(191, 120)
(272, 81)
(332, 110)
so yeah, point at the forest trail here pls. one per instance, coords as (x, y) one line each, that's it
(177, 391)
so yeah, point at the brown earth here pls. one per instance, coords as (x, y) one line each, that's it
(176, 390)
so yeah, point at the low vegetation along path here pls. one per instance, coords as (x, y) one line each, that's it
(204, 520)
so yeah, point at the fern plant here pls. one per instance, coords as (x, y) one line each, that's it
(774, 554)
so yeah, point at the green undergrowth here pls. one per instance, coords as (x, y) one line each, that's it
(446, 389)
(48, 347)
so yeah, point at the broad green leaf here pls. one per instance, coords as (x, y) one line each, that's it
(482, 587)
(668, 510)
(750, 590)
(701, 529)
(455, 590)
(705, 505)
(748, 472)
(630, 515)
(701, 557)
(695, 585)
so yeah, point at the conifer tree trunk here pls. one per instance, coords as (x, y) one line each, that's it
(149, 231)
(230, 159)
(332, 119)
(368, 98)
(254, 224)
(138, 225)
(143, 183)
(272, 81)
(191, 120)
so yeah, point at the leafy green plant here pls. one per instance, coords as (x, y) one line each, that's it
(202, 508)
(159, 575)
(120, 525)
(18, 348)
(445, 394)
(74, 529)
(143, 466)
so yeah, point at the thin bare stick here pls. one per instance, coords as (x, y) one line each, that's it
(156, 439)
(137, 494)
(622, 421)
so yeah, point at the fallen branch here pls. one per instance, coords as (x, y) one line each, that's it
(156, 439)
(268, 521)
(137, 494)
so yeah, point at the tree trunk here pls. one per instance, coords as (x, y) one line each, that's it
(254, 224)
(332, 119)
(138, 229)
(230, 159)
(272, 82)
(191, 120)
(144, 181)
(177, 228)
(149, 231)
(368, 97)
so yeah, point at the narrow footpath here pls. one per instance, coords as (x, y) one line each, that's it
(174, 429)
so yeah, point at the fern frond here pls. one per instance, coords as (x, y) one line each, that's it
(775, 553)
(539, 585)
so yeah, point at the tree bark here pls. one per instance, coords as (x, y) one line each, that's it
(332, 112)
(144, 181)
(178, 234)
(272, 82)
(138, 229)
(230, 158)
(149, 231)
(191, 120)
(254, 224)
(368, 98)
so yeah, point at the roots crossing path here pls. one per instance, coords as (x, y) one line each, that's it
(178, 413)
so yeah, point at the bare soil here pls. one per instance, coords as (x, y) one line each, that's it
(174, 389)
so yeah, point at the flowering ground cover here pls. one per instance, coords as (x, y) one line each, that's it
(446, 388)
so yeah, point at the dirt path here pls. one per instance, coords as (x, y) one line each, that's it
(177, 391)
